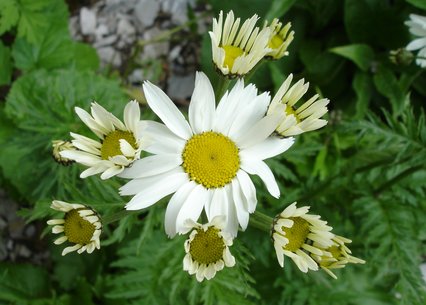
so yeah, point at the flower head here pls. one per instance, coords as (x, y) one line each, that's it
(119, 145)
(80, 226)
(207, 249)
(279, 39)
(236, 50)
(417, 25)
(302, 119)
(57, 147)
(206, 163)
(297, 234)
(340, 256)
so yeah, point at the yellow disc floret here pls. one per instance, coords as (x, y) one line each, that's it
(207, 246)
(275, 42)
(211, 159)
(111, 143)
(231, 53)
(297, 234)
(77, 229)
(291, 111)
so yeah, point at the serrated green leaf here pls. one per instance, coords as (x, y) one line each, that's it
(9, 15)
(85, 57)
(5, 64)
(360, 54)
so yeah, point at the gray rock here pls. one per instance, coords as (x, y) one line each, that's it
(156, 49)
(110, 56)
(146, 11)
(181, 87)
(87, 21)
(105, 41)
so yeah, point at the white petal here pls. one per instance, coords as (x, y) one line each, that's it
(258, 167)
(161, 140)
(269, 148)
(174, 206)
(261, 130)
(248, 189)
(152, 165)
(132, 116)
(102, 117)
(154, 191)
(111, 172)
(126, 148)
(98, 129)
(416, 44)
(192, 207)
(163, 106)
(240, 207)
(70, 249)
(202, 106)
(92, 171)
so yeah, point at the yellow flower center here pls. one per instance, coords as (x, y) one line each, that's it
(231, 53)
(111, 143)
(291, 111)
(207, 246)
(297, 234)
(275, 42)
(78, 230)
(211, 159)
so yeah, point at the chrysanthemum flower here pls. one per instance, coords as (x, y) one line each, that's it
(120, 144)
(236, 50)
(340, 256)
(207, 249)
(302, 119)
(80, 226)
(297, 234)
(57, 147)
(207, 161)
(417, 25)
(279, 39)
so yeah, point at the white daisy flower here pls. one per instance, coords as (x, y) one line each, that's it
(294, 233)
(417, 25)
(80, 226)
(120, 144)
(207, 161)
(57, 147)
(340, 256)
(302, 119)
(236, 50)
(207, 249)
(279, 39)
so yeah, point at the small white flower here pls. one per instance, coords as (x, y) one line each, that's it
(80, 226)
(236, 50)
(417, 25)
(279, 39)
(206, 163)
(207, 248)
(340, 256)
(297, 233)
(302, 119)
(120, 144)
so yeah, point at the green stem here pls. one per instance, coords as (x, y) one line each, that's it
(116, 216)
(261, 221)
(222, 85)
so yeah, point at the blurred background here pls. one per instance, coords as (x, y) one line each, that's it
(364, 172)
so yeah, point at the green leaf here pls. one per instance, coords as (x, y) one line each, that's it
(85, 57)
(5, 64)
(361, 54)
(418, 3)
(362, 84)
(279, 8)
(388, 85)
(9, 15)
(21, 284)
